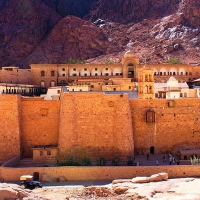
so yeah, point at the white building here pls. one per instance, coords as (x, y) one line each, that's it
(53, 93)
(171, 90)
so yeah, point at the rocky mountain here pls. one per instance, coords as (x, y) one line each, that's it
(52, 31)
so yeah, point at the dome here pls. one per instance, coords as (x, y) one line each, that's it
(172, 79)
(129, 54)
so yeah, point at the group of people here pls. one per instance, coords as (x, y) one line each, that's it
(172, 160)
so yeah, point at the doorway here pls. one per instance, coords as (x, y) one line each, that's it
(152, 149)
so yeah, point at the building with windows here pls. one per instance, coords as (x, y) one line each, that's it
(49, 75)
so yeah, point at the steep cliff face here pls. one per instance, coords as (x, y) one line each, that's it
(23, 25)
(125, 11)
(168, 29)
(41, 31)
(73, 38)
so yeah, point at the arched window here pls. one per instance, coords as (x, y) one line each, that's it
(42, 83)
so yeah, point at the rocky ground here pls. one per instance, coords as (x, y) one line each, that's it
(144, 188)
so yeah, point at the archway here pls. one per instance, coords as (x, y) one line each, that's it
(130, 70)
(152, 149)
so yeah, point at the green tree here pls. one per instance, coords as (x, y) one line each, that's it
(173, 60)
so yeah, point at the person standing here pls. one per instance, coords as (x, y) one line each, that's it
(157, 162)
(147, 156)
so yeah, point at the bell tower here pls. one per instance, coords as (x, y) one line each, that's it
(146, 84)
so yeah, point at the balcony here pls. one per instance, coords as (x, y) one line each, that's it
(172, 89)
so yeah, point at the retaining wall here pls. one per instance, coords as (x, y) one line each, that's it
(100, 173)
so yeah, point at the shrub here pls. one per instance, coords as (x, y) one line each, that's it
(86, 162)
(173, 60)
(101, 161)
(70, 162)
(130, 160)
(115, 161)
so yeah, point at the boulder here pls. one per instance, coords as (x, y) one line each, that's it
(120, 181)
(164, 176)
(8, 193)
(47, 178)
(140, 180)
(120, 189)
(159, 177)
(62, 179)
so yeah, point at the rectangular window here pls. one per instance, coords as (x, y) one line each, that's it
(41, 153)
(63, 74)
(150, 117)
(74, 69)
(96, 69)
(85, 69)
(42, 73)
(48, 153)
(92, 86)
(52, 73)
(106, 68)
(63, 69)
(58, 91)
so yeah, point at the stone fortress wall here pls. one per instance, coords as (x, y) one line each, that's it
(95, 125)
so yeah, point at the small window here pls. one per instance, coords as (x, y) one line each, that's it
(74, 69)
(156, 95)
(96, 74)
(190, 73)
(186, 73)
(85, 74)
(48, 153)
(52, 73)
(42, 73)
(58, 91)
(63, 74)
(106, 74)
(174, 73)
(164, 73)
(85, 69)
(161, 73)
(80, 90)
(154, 73)
(114, 89)
(106, 68)
(63, 69)
(150, 116)
(41, 153)
(92, 86)
(181, 94)
(129, 87)
(96, 69)
(181, 73)
(74, 74)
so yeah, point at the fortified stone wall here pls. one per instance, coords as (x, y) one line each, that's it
(40, 123)
(10, 132)
(95, 125)
(175, 127)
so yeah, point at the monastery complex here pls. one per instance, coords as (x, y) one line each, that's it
(118, 110)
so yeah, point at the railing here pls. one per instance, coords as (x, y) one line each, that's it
(172, 88)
